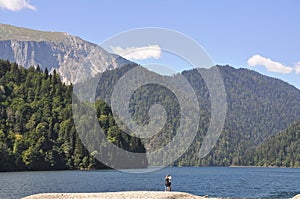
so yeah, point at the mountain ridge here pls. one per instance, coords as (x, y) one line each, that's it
(258, 107)
(244, 128)
(9, 32)
(74, 59)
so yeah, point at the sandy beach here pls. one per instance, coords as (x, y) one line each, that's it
(296, 197)
(117, 195)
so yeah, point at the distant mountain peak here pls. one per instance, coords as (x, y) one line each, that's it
(74, 59)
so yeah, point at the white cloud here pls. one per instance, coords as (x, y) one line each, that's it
(269, 64)
(16, 5)
(138, 53)
(297, 67)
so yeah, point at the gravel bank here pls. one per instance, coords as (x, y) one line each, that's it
(117, 195)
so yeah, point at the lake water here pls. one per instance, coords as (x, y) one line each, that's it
(213, 181)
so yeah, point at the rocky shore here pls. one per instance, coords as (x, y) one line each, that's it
(117, 195)
(123, 195)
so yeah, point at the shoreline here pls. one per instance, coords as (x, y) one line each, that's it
(124, 195)
(110, 169)
(119, 195)
(233, 166)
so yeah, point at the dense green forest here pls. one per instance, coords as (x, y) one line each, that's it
(258, 107)
(37, 131)
(281, 150)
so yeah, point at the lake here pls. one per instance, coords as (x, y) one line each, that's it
(237, 182)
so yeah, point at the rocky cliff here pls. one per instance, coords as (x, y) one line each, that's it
(74, 59)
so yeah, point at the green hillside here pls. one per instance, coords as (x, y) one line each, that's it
(37, 131)
(282, 150)
(258, 107)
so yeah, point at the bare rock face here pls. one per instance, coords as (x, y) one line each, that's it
(74, 59)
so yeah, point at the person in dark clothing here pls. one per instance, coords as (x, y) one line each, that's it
(168, 186)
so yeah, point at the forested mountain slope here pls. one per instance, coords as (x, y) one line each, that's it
(282, 150)
(258, 107)
(37, 130)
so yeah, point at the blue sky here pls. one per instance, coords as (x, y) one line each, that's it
(230, 31)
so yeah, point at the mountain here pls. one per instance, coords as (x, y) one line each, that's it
(258, 107)
(37, 130)
(73, 58)
(281, 150)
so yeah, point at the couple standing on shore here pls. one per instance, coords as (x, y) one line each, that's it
(168, 183)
